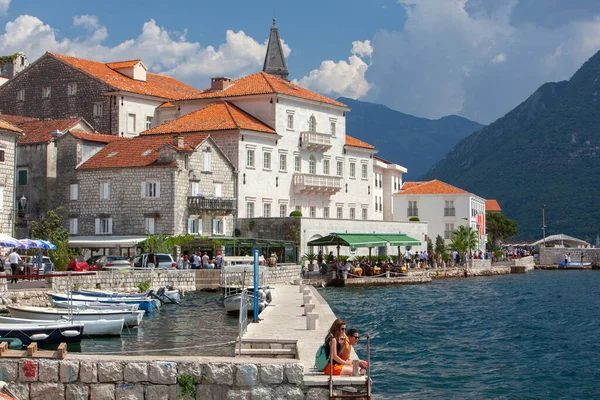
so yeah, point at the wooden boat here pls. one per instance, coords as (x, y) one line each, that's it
(93, 306)
(145, 304)
(43, 334)
(132, 318)
(99, 327)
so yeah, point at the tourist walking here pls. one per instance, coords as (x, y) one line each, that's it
(219, 260)
(14, 259)
(205, 261)
(151, 260)
(180, 261)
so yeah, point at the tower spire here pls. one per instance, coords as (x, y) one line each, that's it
(274, 59)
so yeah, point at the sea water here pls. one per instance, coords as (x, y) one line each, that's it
(530, 336)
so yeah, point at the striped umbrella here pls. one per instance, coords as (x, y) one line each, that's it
(47, 245)
(31, 244)
(8, 241)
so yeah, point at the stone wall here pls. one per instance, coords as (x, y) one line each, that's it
(126, 280)
(7, 182)
(554, 255)
(31, 297)
(157, 378)
(285, 274)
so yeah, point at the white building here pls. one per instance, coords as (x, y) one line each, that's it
(444, 207)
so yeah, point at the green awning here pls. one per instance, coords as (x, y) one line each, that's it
(364, 240)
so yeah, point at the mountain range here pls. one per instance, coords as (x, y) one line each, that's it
(544, 152)
(413, 142)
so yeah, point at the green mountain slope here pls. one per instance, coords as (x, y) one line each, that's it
(415, 143)
(545, 151)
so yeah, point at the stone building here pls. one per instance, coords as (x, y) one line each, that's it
(117, 98)
(134, 186)
(9, 135)
(12, 65)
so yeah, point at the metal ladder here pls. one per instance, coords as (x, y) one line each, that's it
(368, 383)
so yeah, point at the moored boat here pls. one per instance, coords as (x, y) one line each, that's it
(145, 304)
(232, 302)
(132, 318)
(43, 334)
(100, 327)
(93, 305)
(164, 294)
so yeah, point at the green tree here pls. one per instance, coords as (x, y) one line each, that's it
(465, 238)
(51, 228)
(440, 245)
(163, 243)
(499, 228)
(429, 245)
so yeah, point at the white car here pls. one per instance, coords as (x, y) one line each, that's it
(165, 261)
(31, 265)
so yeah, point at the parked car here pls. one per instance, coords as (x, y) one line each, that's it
(92, 260)
(165, 261)
(80, 266)
(112, 262)
(31, 267)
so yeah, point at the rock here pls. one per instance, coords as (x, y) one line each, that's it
(246, 375)
(271, 374)
(163, 372)
(88, 372)
(209, 391)
(69, 370)
(288, 392)
(219, 373)
(129, 391)
(77, 392)
(8, 371)
(45, 391)
(162, 392)
(136, 372)
(294, 373)
(317, 394)
(104, 391)
(48, 371)
(262, 393)
(237, 395)
(20, 390)
(110, 372)
(191, 368)
(28, 371)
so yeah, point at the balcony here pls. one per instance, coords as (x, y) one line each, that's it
(314, 141)
(317, 184)
(216, 205)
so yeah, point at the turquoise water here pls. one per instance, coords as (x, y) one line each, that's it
(532, 336)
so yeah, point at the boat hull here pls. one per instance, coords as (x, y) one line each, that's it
(232, 304)
(144, 304)
(93, 306)
(131, 318)
(43, 335)
(100, 327)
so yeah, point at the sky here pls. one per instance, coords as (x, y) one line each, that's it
(429, 58)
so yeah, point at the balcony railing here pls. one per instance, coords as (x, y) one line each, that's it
(314, 141)
(449, 212)
(412, 212)
(317, 184)
(218, 205)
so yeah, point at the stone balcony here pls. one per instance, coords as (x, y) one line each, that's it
(314, 141)
(317, 184)
(216, 205)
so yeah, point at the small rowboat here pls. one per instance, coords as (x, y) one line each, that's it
(132, 318)
(99, 327)
(44, 334)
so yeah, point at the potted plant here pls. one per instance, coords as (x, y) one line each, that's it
(311, 257)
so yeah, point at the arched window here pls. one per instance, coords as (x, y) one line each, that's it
(312, 124)
(312, 165)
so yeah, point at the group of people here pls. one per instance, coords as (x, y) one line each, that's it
(338, 347)
(197, 261)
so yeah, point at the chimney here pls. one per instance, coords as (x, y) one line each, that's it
(219, 83)
(178, 141)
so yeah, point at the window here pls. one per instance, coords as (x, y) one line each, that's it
(297, 166)
(196, 189)
(207, 161)
(339, 213)
(73, 226)
(151, 189)
(364, 213)
(332, 128)
(104, 190)
(103, 226)
(364, 171)
(448, 231)
(412, 210)
(283, 162)
(325, 212)
(352, 170)
(131, 123)
(21, 95)
(325, 167)
(267, 210)
(312, 124)
(282, 210)
(194, 225)
(290, 121)
(313, 211)
(71, 89)
(98, 110)
(22, 177)
(449, 210)
(74, 191)
(299, 208)
(2, 155)
(376, 180)
(352, 213)
(218, 189)
(380, 204)
(376, 204)
(250, 159)
(218, 226)
(148, 122)
(46, 92)
(150, 225)
(267, 160)
(340, 168)
(249, 210)
(312, 165)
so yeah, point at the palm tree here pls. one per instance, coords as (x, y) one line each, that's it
(464, 239)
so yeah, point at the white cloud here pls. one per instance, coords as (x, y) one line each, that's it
(362, 49)
(4, 4)
(499, 58)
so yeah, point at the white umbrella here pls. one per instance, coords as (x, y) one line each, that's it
(7, 241)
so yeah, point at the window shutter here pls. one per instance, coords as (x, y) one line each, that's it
(157, 189)
(207, 161)
(107, 190)
(199, 222)
(223, 230)
(218, 189)
(97, 226)
(195, 189)
(74, 191)
(215, 225)
(75, 226)
(190, 225)
(144, 189)
(110, 225)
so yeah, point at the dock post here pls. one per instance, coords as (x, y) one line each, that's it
(311, 321)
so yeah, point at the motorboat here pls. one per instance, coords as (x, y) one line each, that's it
(43, 333)
(93, 306)
(233, 301)
(146, 304)
(132, 318)
(99, 327)
(164, 295)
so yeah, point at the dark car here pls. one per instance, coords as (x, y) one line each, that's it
(92, 260)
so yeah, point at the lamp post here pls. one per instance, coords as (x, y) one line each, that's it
(544, 224)
(468, 239)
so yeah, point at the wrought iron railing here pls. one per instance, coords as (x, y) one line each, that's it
(222, 204)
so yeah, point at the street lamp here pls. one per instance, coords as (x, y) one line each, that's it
(468, 236)
(544, 224)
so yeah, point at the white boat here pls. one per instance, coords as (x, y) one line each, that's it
(100, 327)
(93, 306)
(145, 304)
(132, 318)
(233, 302)
(165, 294)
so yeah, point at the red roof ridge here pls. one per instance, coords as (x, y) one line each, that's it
(227, 104)
(263, 74)
(122, 64)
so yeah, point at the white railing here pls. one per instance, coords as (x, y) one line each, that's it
(317, 183)
(316, 139)
(243, 322)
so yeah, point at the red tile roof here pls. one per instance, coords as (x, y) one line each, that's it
(17, 119)
(141, 151)
(215, 117)
(493, 206)
(123, 64)
(40, 131)
(155, 85)
(7, 126)
(263, 83)
(430, 187)
(350, 141)
(95, 137)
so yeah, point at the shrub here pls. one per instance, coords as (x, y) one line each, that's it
(296, 213)
(414, 219)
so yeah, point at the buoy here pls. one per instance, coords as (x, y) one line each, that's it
(38, 336)
(70, 333)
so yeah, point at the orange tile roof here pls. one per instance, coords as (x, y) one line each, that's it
(123, 64)
(493, 206)
(95, 137)
(7, 126)
(140, 151)
(17, 119)
(430, 187)
(40, 131)
(263, 83)
(155, 85)
(167, 104)
(350, 141)
(215, 117)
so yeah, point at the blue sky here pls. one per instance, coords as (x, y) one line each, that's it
(429, 58)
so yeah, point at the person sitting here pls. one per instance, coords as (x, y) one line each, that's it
(352, 337)
(336, 343)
